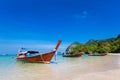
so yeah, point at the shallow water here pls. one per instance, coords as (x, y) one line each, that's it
(64, 69)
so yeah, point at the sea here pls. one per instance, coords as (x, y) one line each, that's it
(64, 68)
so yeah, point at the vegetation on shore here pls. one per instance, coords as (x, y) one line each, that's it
(111, 45)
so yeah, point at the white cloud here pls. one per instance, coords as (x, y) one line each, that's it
(82, 15)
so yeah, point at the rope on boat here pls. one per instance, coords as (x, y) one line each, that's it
(42, 58)
(56, 56)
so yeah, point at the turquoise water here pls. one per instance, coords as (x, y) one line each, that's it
(64, 69)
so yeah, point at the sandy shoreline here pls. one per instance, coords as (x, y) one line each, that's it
(107, 75)
(82, 68)
(114, 54)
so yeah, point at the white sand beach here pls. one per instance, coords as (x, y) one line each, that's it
(106, 75)
(117, 54)
(82, 68)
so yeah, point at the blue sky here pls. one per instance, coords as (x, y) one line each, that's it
(42, 22)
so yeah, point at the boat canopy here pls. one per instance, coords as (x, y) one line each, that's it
(32, 52)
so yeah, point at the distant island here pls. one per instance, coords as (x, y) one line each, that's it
(111, 45)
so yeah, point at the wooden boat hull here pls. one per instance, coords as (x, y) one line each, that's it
(44, 58)
(72, 55)
(97, 54)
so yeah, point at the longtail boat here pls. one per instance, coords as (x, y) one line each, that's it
(72, 55)
(44, 58)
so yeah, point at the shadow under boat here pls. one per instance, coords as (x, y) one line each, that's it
(42, 58)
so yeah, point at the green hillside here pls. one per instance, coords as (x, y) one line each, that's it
(111, 45)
